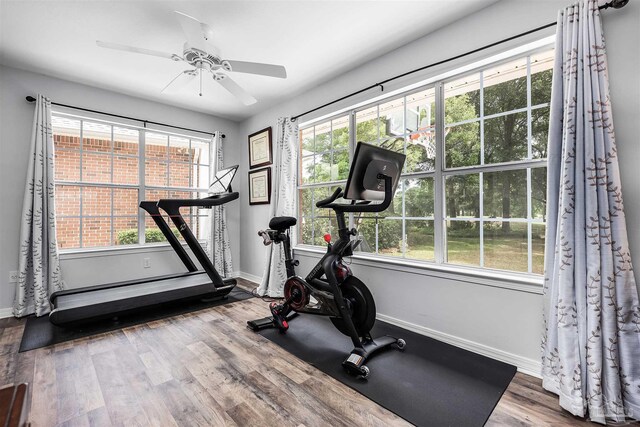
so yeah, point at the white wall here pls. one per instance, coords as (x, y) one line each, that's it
(504, 323)
(16, 116)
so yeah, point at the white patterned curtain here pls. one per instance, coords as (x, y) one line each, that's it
(591, 342)
(219, 234)
(283, 203)
(38, 267)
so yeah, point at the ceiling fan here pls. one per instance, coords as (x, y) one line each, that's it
(200, 54)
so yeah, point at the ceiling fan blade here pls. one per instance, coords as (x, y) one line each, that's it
(133, 49)
(196, 32)
(235, 90)
(258, 68)
(179, 81)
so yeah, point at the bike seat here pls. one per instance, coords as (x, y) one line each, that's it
(282, 222)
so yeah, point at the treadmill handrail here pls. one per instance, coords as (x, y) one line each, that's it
(207, 202)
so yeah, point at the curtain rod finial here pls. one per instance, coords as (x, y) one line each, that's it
(30, 98)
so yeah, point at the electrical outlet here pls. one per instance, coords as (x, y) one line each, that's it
(13, 276)
(146, 262)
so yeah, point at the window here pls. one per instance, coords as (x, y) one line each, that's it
(100, 180)
(474, 182)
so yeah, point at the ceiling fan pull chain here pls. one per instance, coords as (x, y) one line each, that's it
(200, 81)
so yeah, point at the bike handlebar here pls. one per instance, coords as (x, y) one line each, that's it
(362, 206)
(322, 203)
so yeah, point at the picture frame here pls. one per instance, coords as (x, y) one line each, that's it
(260, 186)
(260, 152)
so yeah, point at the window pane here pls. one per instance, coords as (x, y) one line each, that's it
(156, 195)
(305, 202)
(156, 146)
(68, 232)
(462, 196)
(96, 137)
(323, 137)
(67, 200)
(539, 132)
(505, 87)
(125, 230)
(125, 170)
(367, 232)
(505, 194)
(462, 99)
(200, 150)
(367, 125)
(537, 248)
(539, 193)
(306, 141)
(96, 167)
(390, 237)
(505, 245)
(340, 134)
(66, 133)
(179, 174)
(420, 240)
(505, 138)
(421, 151)
(462, 145)
(393, 143)
(201, 227)
(321, 227)
(156, 173)
(541, 74)
(392, 118)
(340, 165)
(179, 149)
(305, 231)
(96, 201)
(67, 165)
(322, 167)
(201, 177)
(463, 242)
(125, 141)
(419, 197)
(96, 232)
(306, 170)
(125, 201)
(421, 112)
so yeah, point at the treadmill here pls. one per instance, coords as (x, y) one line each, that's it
(102, 301)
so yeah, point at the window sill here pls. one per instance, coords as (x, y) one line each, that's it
(530, 283)
(66, 254)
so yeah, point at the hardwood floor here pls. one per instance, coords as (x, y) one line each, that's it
(206, 368)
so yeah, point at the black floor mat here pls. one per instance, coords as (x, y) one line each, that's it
(430, 383)
(39, 332)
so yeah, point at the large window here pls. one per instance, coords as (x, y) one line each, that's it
(104, 170)
(474, 183)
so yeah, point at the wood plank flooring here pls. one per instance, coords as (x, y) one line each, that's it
(205, 368)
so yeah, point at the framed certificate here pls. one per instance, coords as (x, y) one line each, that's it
(260, 149)
(260, 187)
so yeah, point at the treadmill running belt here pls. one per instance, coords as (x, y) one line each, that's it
(39, 332)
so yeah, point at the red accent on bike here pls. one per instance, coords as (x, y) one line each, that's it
(285, 324)
(327, 238)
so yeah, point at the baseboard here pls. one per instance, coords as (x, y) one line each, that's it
(525, 365)
(6, 312)
(249, 277)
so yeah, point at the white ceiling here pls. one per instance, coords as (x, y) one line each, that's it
(315, 40)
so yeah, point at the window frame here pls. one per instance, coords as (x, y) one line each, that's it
(441, 172)
(141, 187)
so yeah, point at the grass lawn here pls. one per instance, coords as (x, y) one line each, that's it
(505, 253)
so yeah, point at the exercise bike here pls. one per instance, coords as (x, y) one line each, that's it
(330, 289)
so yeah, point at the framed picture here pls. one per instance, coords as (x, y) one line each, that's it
(260, 187)
(260, 148)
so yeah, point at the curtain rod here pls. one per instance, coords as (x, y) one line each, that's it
(616, 4)
(32, 99)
